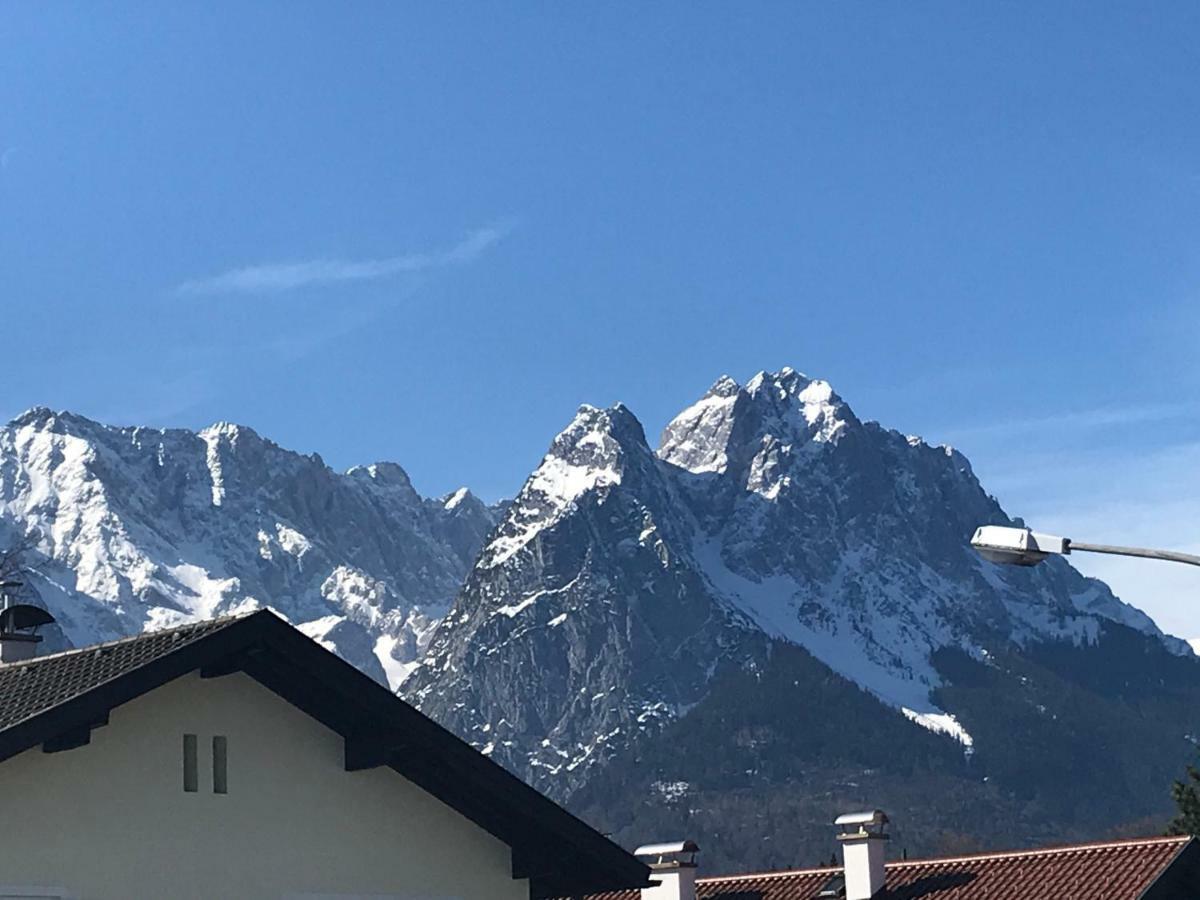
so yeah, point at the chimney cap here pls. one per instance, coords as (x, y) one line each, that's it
(869, 817)
(23, 617)
(862, 826)
(670, 855)
(669, 847)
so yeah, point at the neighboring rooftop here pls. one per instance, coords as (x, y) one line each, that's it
(1161, 868)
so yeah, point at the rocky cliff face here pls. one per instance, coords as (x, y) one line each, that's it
(623, 580)
(585, 621)
(136, 528)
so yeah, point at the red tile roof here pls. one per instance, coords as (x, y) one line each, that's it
(1118, 870)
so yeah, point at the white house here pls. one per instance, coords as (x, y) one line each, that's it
(236, 758)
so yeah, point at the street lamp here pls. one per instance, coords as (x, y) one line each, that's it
(1023, 547)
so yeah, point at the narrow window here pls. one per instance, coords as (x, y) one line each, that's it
(220, 764)
(191, 779)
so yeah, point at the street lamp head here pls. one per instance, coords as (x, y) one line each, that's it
(1016, 546)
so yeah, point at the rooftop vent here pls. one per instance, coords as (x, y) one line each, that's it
(863, 836)
(835, 887)
(19, 623)
(674, 868)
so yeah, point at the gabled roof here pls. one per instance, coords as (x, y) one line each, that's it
(56, 700)
(1164, 868)
(40, 684)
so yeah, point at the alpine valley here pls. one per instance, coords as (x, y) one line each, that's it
(773, 617)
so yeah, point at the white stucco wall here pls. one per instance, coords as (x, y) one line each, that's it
(111, 821)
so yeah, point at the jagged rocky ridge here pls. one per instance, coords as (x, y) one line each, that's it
(623, 578)
(770, 618)
(139, 528)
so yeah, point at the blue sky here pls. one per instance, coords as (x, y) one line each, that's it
(428, 232)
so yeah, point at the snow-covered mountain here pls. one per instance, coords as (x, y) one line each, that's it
(848, 539)
(771, 617)
(623, 580)
(137, 528)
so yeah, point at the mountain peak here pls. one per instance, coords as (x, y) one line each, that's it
(591, 453)
(598, 436)
(784, 408)
(228, 432)
(457, 498)
(35, 415)
(388, 474)
(808, 409)
(787, 378)
(44, 418)
(698, 439)
(792, 391)
(723, 387)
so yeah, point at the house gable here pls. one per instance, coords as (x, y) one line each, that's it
(293, 822)
(63, 701)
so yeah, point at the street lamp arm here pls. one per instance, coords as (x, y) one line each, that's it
(1168, 555)
(1019, 546)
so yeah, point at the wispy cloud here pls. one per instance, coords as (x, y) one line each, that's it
(278, 277)
(6, 157)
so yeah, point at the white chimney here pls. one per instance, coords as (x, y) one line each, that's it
(863, 838)
(674, 868)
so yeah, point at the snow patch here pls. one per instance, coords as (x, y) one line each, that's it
(291, 541)
(891, 659)
(213, 438)
(671, 790)
(396, 669)
(512, 611)
(318, 630)
(941, 723)
(207, 593)
(529, 599)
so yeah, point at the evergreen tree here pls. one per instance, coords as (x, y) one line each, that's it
(1187, 798)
